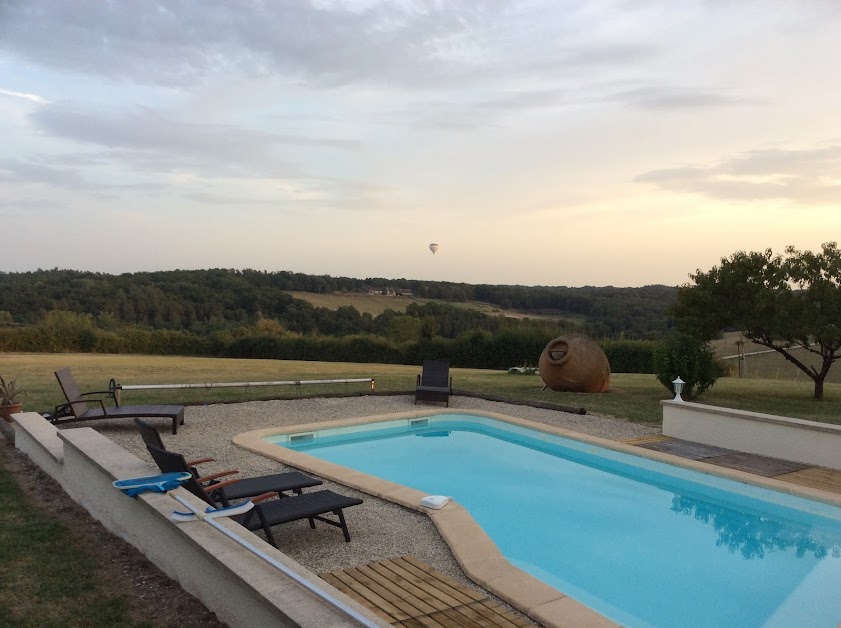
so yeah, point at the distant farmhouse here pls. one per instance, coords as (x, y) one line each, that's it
(390, 292)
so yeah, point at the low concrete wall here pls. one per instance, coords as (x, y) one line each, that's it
(808, 442)
(38, 439)
(242, 589)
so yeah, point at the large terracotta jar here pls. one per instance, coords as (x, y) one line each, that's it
(574, 364)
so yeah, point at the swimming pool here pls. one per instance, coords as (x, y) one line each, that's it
(642, 542)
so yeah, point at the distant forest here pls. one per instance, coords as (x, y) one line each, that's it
(249, 313)
(199, 300)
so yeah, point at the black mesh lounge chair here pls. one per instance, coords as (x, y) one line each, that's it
(151, 436)
(435, 383)
(241, 488)
(269, 512)
(76, 408)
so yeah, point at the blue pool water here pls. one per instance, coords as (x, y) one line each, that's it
(642, 542)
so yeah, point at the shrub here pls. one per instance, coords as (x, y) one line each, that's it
(630, 356)
(690, 359)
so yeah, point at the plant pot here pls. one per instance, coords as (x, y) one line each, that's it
(7, 411)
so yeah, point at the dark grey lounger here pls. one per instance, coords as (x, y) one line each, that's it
(76, 408)
(307, 506)
(271, 512)
(293, 481)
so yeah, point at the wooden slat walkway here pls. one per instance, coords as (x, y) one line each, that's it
(795, 472)
(408, 592)
(639, 440)
(815, 477)
(686, 449)
(758, 465)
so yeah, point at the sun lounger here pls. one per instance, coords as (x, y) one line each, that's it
(76, 408)
(269, 512)
(294, 481)
(151, 436)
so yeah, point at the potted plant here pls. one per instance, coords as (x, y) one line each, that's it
(9, 398)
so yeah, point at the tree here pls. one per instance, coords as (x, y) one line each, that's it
(781, 302)
(405, 328)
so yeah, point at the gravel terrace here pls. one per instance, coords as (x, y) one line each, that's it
(379, 529)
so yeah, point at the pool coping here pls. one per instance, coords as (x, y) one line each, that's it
(478, 556)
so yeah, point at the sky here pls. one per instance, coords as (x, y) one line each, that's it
(562, 143)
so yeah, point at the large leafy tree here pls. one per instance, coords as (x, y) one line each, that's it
(779, 301)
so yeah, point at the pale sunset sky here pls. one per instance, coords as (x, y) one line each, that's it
(567, 142)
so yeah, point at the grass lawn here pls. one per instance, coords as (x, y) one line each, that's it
(48, 575)
(634, 397)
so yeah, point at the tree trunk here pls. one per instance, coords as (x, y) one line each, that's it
(820, 377)
(817, 377)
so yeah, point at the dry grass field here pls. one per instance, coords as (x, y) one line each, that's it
(376, 304)
(726, 345)
(765, 364)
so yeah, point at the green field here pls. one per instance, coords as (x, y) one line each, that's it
(633, 397)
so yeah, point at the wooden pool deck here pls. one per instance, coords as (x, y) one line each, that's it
(407, 592)
(797, 473)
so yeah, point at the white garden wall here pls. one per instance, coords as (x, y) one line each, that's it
(809, 442)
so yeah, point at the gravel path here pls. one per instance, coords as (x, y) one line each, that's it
(379, 529)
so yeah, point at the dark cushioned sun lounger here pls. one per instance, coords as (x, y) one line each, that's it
(434, 383)
(242, 488)
(307, 506)
(277, 482)
(76, 408)
(269, 512)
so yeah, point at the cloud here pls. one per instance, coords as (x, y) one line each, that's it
(410, 45)
(226, 199)
(143, 150)
(178, 44)
(797, 176)
(296, 197)
(24, 207)
(31, 97)
(19, 171)
(147, 140)
(660, 97)
(147, 129)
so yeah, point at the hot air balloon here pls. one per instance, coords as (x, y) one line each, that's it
(433, 247)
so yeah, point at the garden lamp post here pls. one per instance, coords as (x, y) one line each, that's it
(678, 385)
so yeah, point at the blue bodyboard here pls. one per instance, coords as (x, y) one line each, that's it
(155, 483)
